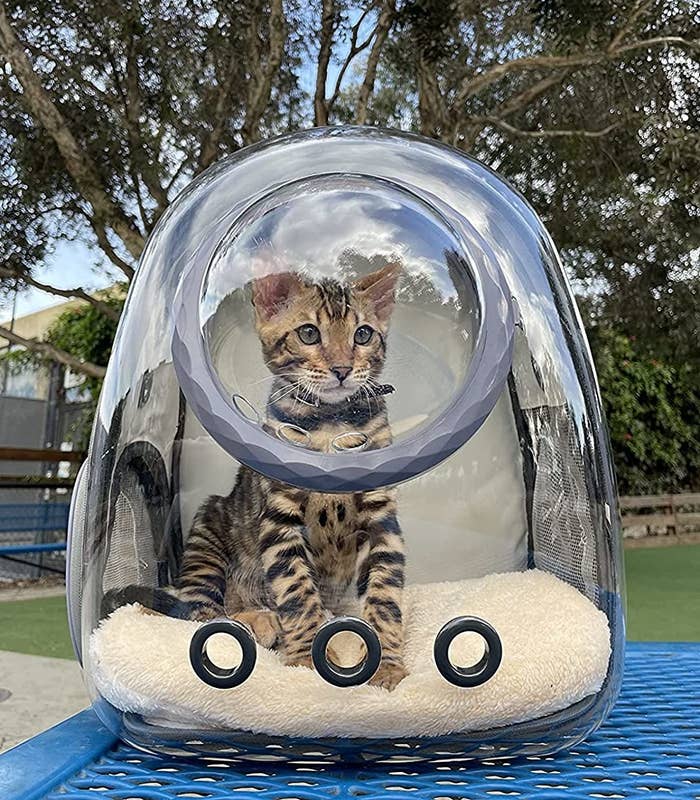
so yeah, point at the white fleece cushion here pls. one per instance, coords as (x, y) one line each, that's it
(556, 646)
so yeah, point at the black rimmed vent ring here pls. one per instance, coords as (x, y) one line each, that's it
(346, 676)
(487, 665)
(211, 673)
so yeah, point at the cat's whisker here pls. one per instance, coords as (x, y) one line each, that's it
(309, 388)
(377, 388)
(285, 391)
(300, 387)
(371, 387)
(282, 390)
(369, 404)
(274, 377)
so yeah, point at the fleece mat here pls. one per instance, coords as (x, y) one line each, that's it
(556, 647)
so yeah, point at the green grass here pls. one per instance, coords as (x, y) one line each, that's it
(663, 593)
(663, 604)
(38, 627)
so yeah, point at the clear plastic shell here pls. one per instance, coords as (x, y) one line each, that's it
(377, 328)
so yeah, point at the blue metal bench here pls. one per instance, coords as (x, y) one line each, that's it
(650, 747)
(28, 518)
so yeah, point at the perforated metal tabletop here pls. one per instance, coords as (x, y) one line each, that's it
(649, 747)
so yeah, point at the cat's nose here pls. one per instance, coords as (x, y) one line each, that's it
(341, 373)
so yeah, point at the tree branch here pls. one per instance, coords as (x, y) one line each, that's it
(583, 58)
(109, 251)
(676, 41)
(550, 134)
(54, 354)
(640, 7)
(324, 56)
(186, 161)
(78, 293)
(261, 86)
(210, 145)
(524, 98)
(431, 105)
(381, 31)
(133, 110)
(465, 132)
(355, 49)
(78, 163)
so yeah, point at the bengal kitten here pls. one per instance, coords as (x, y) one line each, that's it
(281, 559)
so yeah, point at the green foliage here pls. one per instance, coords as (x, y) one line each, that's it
(653, 414)
(18, 360)
(86, 333)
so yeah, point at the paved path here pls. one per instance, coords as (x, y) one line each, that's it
(30, 592)
(35, 693)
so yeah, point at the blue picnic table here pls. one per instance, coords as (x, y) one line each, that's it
(648, 748)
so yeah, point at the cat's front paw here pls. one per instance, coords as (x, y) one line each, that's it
(264, 624)
(388, 676)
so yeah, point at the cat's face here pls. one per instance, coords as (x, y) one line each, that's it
(328, 339)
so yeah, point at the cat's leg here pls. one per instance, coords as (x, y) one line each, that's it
(289, 573)
(206, 561)
(380, 582)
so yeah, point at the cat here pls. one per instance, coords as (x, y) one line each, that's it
(280, 559)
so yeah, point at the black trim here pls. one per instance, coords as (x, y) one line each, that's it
(174, 540)
(98, 517)
(346, 676)
(207, 670)
(527, 450)
(487, 665)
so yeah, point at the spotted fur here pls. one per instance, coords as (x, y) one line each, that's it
(282, 559)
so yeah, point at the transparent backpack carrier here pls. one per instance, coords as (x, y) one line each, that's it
(349, 492)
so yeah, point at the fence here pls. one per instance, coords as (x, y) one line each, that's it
(33, 530)
(661, 513)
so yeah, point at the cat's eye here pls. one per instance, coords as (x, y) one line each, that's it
(309, 334)
(363, 334)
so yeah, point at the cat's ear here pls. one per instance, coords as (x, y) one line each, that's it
(378, 288)
(271, 293)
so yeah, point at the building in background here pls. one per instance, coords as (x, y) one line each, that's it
(42, 406)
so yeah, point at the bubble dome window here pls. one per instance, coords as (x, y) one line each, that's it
(349, 491)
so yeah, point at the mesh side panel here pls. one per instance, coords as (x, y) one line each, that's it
(74, 572)
(131, 558)
(562, 524)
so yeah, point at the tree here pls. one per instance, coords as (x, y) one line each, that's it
(589, 109)
(652, 411)
(107, 110)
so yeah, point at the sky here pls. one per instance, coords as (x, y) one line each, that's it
(72, 264)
